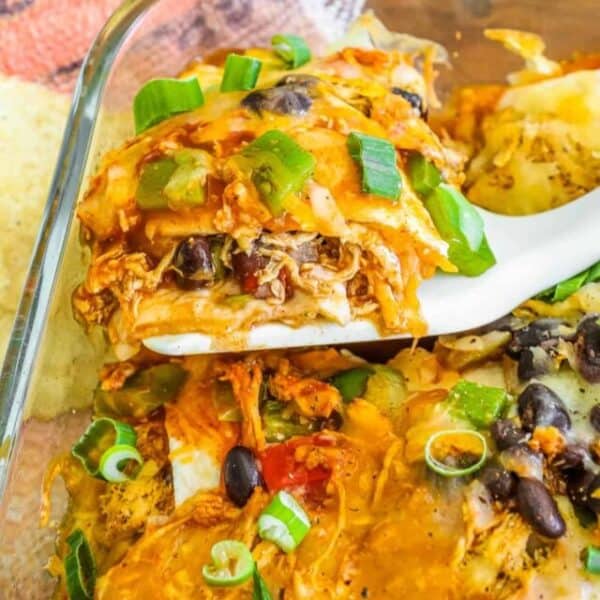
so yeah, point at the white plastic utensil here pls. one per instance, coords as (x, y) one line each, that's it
(532, 254)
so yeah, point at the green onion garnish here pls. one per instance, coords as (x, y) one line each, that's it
(278, 167)
(561, 291)
(424, 175)
(454, 439)
(241, 73)
(591, 560)
(159, 99)
(115, 459)
(292, 49)
(232, 564)
(260, 590)
(284, 522)
(377, 160)
(480, 404)
(105, 448)
(352, 382)
(80, 568)
(461, 226)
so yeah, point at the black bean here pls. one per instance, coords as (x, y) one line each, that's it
(578, 483)
(571, 458)
(587, 348)
(539, 406)
(539, 509)
(193, 255)
(533, 362)
(507, 433)
(289, 99)
(193, 262)
(413, 99)
(501, 483)
(595, 417)
(541, 332)
(241, 474)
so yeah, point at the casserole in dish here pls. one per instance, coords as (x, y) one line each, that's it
(51, 366)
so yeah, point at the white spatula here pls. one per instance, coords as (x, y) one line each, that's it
(532, 254)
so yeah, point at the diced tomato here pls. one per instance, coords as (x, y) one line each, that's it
(249, 283)
(281, 470)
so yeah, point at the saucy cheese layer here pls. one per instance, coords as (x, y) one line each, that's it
(467, 471)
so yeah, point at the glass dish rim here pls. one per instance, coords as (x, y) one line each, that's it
(46, 259)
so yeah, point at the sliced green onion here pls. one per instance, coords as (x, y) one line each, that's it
(80, 568)
(160, 99)
(561, 291)
(278, 166)
(480, 404)
(591, 559)
(461, 226)
(241, 73)
(283, 522)
(154, 177)
(95, 449)
(450, 470)
(232, 564)
(424, 175)
(377, 160)
(115, 459)
(292, 49)
(352, 383)
(260, 590)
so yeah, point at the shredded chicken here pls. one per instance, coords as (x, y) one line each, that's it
(312, 397)
(246, 380)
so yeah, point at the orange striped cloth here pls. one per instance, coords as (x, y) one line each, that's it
(45, 40)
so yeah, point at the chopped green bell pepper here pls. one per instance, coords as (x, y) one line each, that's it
(142, 393)
(278, 167)
(153, 179)
(352, 383)
(281, 423)
(461, 226)
(479, 404)
(424, 175)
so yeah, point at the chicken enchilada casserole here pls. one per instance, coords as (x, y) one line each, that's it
(469, 471)
(265, 185)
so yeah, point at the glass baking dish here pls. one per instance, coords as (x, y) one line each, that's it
(51, 365)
